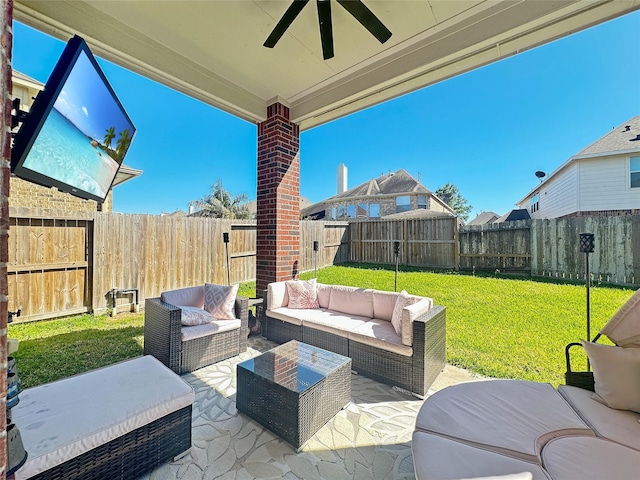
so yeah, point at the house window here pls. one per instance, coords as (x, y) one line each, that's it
(361, 210)
(351, 211)
(403, 204)
(634, 168)
(535, 203)
(374, 210)
(422, 202)
(341, 211)
(333, 213)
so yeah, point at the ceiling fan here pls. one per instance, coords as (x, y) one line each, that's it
(355, 7)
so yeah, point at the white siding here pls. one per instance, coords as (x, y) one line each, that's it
(559, 195)
(604, 185)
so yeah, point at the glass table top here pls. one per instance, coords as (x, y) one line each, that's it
(295, 365)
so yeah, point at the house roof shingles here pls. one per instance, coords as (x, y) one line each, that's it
(619, 139)
(386, 184)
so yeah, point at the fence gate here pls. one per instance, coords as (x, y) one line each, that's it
(49, 265)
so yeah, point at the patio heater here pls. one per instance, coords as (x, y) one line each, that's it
(587, 243)
(396, 252)
(225, 239)
(316, 247)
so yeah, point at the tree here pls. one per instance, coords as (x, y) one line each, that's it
(109, 136)
(450, 195)
(123, 143)
(222, 204)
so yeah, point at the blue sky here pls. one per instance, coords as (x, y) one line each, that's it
(87, 102)
(486, 131)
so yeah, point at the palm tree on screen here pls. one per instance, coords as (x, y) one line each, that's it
(109, 136)
(123, 143)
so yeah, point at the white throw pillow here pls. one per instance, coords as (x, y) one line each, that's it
(617, 375)
(191, 316)
(220, 300)
(302, 294)
(403, 300)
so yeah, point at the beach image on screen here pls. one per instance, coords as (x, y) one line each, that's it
(86, 135)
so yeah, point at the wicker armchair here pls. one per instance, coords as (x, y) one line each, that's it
(162, 337)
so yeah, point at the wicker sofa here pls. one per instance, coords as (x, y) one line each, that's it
(187, 348)
(357, 323)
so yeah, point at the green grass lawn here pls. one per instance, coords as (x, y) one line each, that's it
(495, 326)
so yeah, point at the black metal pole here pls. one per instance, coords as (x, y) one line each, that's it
(396, 250)
(316, 247)
(225, 239)
(588, 300)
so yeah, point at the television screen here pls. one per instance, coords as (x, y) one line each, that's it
(77, 133)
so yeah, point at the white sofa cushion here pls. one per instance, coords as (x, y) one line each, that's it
(277, 295)
(328, 321)
(211, 328)
(380, 334)
(324, 294)
(514, 417)
(61, 420)
(409, 314)
(403, 300)
(618, 425)
(351, 300)
(617, 375)
(590, 458)
(190, 296)
(445, 459)
(383, 303)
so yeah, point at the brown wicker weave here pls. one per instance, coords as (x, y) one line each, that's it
(274, 389)
(162, 327)
(415, 373)
(132, 455)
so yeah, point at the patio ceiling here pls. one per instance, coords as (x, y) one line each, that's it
(213, 50)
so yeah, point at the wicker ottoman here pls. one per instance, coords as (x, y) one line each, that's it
(294, 389)
(117, 422)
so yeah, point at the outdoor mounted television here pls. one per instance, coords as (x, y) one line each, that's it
(77, 133)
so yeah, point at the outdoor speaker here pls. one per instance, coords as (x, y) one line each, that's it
(225, 237)
(316, 245)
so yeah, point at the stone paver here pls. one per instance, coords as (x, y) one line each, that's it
(370, 439)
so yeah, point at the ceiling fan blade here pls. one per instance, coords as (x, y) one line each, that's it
(326, 28)
(368, 20)
(287, 19)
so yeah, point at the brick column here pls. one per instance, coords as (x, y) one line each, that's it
(6, 39)
(278, 198)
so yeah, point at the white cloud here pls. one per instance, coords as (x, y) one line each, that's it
(85, 111)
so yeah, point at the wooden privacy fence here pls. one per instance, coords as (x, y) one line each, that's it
(498, 246)
(63, 263)
(551, 248)
(425, 242)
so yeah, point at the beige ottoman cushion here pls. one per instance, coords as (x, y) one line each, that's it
(513, 417)
(436, 457)
(61, 420)
(590, 458)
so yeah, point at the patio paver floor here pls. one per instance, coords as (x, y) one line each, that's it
(369, 439)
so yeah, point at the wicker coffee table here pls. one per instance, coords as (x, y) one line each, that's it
(294, 389)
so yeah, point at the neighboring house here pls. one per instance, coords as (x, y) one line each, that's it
(253, 206)
(514, 216)
(484, 218)
(386, 195)
(601, 180)
(31, 195)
